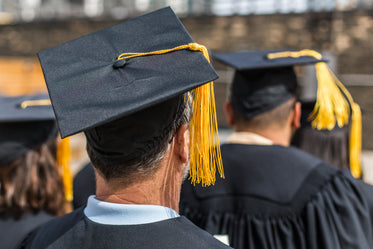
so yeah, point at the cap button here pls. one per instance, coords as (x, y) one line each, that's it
(119, 63)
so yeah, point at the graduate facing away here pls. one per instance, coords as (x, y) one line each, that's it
(140, 91)
(332, 145)
(275, 196)
(31, 186)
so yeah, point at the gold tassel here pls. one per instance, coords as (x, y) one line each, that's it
(355, 133)
(204, 140)
(355, 141)
(205, 153)
(38, 102)
(342, 102)
(63, 162)
(334, 105)
(331, 105)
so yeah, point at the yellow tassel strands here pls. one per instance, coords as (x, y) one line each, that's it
(39, 102)
(333, 105)
(63, 162)
(205, 154)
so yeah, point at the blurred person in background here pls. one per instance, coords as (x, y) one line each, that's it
(84, 185)
(330, 145)
(275, 196)
(31, 187)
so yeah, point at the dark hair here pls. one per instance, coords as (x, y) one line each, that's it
(278, 116)
(136, 168)
(32, 183)
(330, 145)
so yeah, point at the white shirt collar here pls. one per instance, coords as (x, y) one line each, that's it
(125, 214)
(248, 138)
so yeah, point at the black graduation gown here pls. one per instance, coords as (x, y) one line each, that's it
(75, 230)
(84, 185)
(276, 197)
(13, 231)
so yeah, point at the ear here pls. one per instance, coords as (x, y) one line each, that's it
(297, 113)
(229, 113)
(181, 141)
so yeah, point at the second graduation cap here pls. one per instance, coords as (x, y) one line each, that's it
(129, 67)
(25, 123)
(260, 83)
(265, 79)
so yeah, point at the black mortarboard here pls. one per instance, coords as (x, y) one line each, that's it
(266, 79)
(261, 84)
(88, 87)
(100, 79)
(25, 122)
(251, 60)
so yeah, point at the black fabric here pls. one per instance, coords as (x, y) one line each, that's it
(13, 231)
(275, 197)
(87, 90)
(366, 191)
(256, 91)
(84, 185)
(252, 60)
(75, 230)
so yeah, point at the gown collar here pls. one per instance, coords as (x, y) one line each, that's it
(125, 214)
(244, 137)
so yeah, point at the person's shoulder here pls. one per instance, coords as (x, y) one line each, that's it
(15, 230)
(178, 233)
(272, 153)
(84, 185)
(184, 230)
(66, 220)
(52, 230)
(345, 202)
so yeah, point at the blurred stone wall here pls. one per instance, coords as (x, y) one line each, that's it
(347, 35)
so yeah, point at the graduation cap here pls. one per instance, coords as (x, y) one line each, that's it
(261, 84)
(26, 122)
(98, 80)
(265, 79)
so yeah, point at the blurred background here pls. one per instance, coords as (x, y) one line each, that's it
(341, 29)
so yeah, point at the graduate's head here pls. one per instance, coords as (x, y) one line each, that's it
(29, 177)
(138, 142)
(128, 87)
(262, 89)
(265, 85)
(263, 98)
(283, 116)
